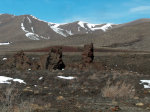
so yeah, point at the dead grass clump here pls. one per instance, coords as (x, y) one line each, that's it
(8, 100)
(118, 90)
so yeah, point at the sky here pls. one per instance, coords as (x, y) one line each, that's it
(92, 11)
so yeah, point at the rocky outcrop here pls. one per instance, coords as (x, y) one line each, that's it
(53, 60)
(88, 55)
(19, 61)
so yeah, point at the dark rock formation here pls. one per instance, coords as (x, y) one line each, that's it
(88, 55)
(53, 60)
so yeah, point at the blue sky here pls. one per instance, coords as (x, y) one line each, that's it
(93, 11)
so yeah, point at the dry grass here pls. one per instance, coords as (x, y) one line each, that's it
(118, 90)
(9, 103)
(7, 99)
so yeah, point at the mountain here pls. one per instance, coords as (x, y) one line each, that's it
(134, 35)
(29, 32)
(27, 27)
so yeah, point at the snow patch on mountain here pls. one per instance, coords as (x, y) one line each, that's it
(55, 28)
(94, 27)
(90, 26)
(81, 24)
(69, 32)
(38, 19)
(28, 34)
(106, 27)
(44, 37)
(23, 28)
(31, 35)
(29, 20)
(32, 29)
(78, 28)
(87, 26)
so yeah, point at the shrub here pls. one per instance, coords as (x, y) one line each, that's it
(118, 90)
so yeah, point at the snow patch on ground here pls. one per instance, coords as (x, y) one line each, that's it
(29, 69)
(7, 80)
(146, 83)
(40, 78)
(5, 43)
(4, 59)
(67, 78)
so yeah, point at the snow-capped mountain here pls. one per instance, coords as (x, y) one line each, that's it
(29, 32)
(78, 27)
(28, 27)
(68, 29)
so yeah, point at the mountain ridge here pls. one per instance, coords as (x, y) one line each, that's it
(27, 31)
(29, 23)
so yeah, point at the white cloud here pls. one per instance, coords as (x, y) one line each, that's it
(140, 9)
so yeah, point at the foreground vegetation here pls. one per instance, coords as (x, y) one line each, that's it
(113, 86)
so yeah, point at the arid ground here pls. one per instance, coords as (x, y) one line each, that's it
(115, 81)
